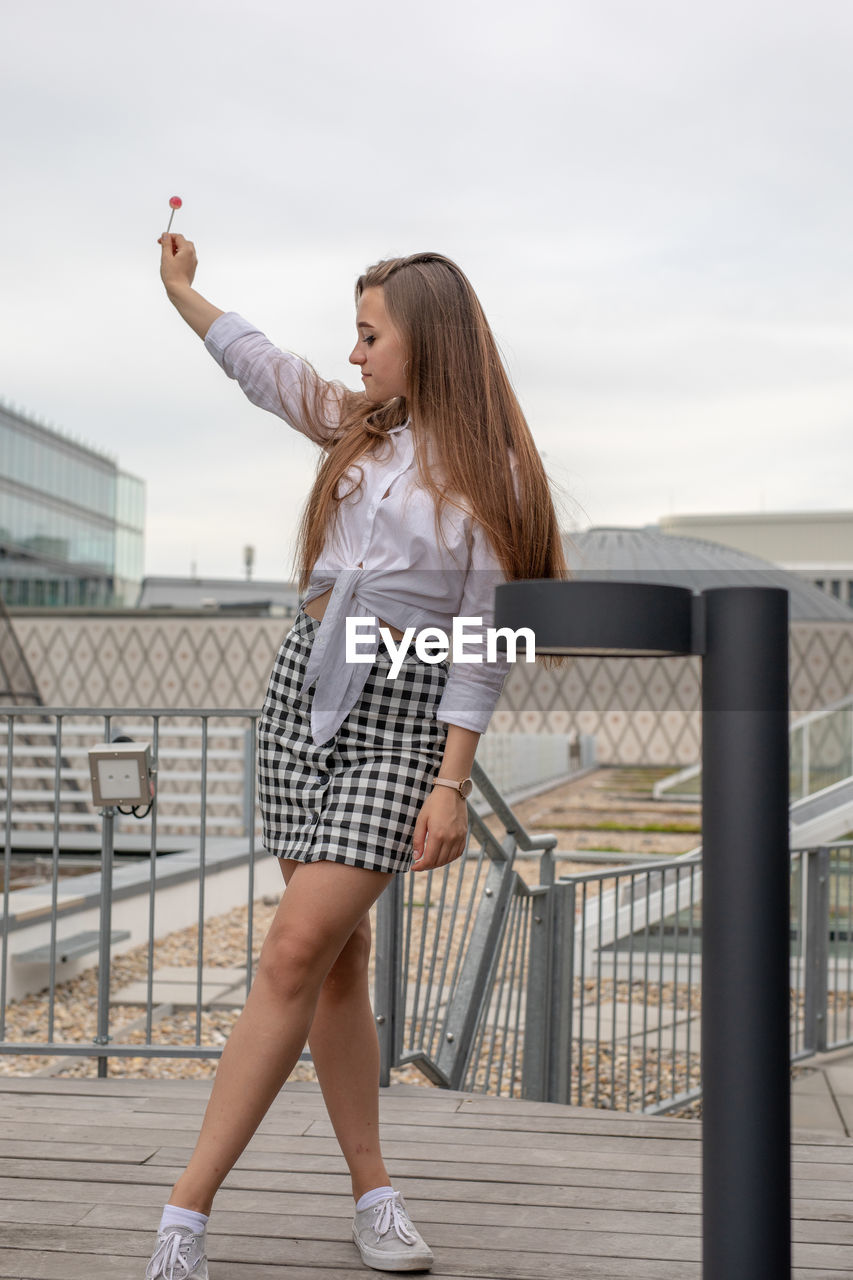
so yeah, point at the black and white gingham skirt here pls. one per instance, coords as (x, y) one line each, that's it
(356, 798)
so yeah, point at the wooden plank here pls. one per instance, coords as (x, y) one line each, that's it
(51, 1102)
(42, 1265)
(824, 1210)
(468, 1252)
(89, 1266)
(541, 1141)
(314, 1105)
(110, 1133)
(601, 1237)
(528, 1229)
(33, 1211)
(54, 1181)
(840, 1152)
(114, 1153)
(68, 1260)
(269, 1153)
(37, 1122)
(804, 1174)
(110, 1088)
(426, 1178)
(515, 1204)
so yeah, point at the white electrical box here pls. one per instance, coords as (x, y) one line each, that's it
(120, 773)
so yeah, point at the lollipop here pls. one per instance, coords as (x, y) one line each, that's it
(174, 204)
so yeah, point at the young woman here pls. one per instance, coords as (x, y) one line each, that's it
(429, 492)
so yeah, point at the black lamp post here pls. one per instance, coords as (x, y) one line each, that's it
(741, 634)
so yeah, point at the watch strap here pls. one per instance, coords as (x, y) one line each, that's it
(464, 787)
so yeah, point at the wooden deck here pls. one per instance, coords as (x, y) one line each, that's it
(503, 1190)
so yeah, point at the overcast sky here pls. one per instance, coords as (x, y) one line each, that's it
(653, 201)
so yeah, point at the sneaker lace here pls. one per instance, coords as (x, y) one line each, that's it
(171, 1257)
(391, 1215)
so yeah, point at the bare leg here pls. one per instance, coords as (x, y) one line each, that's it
(323, 905)
(345, 1050)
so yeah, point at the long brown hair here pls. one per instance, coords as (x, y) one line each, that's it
(465, 419)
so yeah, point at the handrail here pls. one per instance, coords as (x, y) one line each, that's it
(664, 786)
(502, 811)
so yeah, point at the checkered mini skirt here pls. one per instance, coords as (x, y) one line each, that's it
(356, 798)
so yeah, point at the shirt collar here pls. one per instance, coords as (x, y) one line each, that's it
(402, 427)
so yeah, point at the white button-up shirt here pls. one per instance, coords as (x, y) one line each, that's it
(382, 559)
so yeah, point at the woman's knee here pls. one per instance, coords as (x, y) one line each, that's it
(292, 962)
(351, 966)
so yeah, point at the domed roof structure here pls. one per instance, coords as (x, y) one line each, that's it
(649, 555)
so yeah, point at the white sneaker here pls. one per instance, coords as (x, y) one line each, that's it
(388, 1240)
(179, 1256)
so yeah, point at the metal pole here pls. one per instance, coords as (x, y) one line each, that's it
(105, 941)
(816, 949)
(745, 937)
(388, 979)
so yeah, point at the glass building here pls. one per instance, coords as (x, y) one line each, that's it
(72, 525)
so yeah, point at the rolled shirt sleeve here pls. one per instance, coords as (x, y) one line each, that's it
(473, 687)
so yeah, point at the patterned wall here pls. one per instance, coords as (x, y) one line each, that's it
(132, 659)
(641, 710)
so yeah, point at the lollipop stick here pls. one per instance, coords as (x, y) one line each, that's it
(171, 216)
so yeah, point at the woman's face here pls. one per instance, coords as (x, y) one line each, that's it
(379, 351)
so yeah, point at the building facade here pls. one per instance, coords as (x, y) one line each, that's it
(72, 524)
(815, 545)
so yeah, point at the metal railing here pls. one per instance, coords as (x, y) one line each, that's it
(821, 949)
(55, 921)
(454, 949)
(492, 974)
(582, 989)
(586, 989)
(207, 749)
(820, 755)
(44, 752)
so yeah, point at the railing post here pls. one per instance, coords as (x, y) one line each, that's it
(388, 978)
(478, 968)
(249, 780)
(549, 1009)
(559, 1082)
(816, 950)
(537, 1008)
(105, 940)
(806, 759)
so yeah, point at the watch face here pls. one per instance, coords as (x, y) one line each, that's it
(465, 788)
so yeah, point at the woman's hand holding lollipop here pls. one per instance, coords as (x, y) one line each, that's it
(178, 263)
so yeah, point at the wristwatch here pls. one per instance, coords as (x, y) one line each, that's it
(465, 787)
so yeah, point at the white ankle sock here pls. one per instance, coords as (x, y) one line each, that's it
(370, 1198)
(176, 1217)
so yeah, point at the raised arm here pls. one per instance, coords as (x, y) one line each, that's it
(178, 264)
(275, 380)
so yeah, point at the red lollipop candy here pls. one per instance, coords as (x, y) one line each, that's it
(174, 203)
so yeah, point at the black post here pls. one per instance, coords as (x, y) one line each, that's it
(745, 936)
(742, 633)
